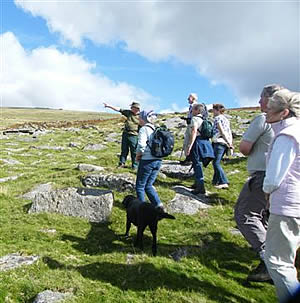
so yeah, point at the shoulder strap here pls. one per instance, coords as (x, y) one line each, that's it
(147, 125)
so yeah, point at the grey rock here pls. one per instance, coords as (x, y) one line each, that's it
(174, 123)
(11, 178)
(15, 149)
(40, 188)
(49, 147)
(233, 172)
(175, 170)
(120, 182)
(15, 260)
(112, 137)
(92, 204)
(89, 167)
(30, 139)
(3, 137)
(11, 161)
(94, 147)
(48, 296)
(73, 144)
(186, 203)
(178, 154)
(91, 157)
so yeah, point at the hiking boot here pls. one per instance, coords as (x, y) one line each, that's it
(259, 274)
(199, 189)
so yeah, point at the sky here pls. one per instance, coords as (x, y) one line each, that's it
(77, 54)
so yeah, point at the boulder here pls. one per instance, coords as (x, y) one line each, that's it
(94, 147)
(40, 188)
(120, 182)
(185, 202)
(173, 169)
(48, 296)
(92, 204)
(15, 260)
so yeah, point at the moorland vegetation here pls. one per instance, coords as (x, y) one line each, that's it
(93, 261)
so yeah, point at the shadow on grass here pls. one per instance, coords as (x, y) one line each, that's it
(226, 257)
(216, 199)
(102, 239)
(144, 276)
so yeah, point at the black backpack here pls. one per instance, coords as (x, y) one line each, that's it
(162, 142)
(206, 131)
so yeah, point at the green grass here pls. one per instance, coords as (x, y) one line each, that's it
(90, 260)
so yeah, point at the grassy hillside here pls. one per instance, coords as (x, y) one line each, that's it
(11, 117)
(91, 260)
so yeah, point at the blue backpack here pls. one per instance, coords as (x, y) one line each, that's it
(162, 142)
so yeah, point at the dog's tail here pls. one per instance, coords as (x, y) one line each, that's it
(165, 216)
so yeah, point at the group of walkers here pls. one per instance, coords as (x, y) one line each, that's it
(267, 211)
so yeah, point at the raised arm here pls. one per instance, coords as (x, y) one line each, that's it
(117, 109)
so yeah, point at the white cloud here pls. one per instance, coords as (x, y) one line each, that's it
(46, 77)
(243, 44)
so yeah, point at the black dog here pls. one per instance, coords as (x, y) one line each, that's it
(142, 215)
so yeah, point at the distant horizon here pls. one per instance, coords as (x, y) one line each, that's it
(60, 109)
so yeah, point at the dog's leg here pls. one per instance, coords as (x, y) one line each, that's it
(139, 237)
(128, 225)
(153, 229)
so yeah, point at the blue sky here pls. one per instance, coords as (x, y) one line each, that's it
(76, 54)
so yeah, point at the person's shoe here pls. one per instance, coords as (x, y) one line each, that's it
(121, 165)
(222, 186)
(259, 274)
(200, 189)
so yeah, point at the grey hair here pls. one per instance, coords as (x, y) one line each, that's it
(270, 89)
(152, 118)
(285, 99)
(198, 106)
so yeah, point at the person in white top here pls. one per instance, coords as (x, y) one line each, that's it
(222, 140)
(282, 188)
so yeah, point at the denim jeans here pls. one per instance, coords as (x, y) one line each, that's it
(129, 142)
(146, 176)
(197, 165)
(219, 174)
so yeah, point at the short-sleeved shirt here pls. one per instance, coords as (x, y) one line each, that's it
(131, 125)
(261, 134)
(196, 122)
